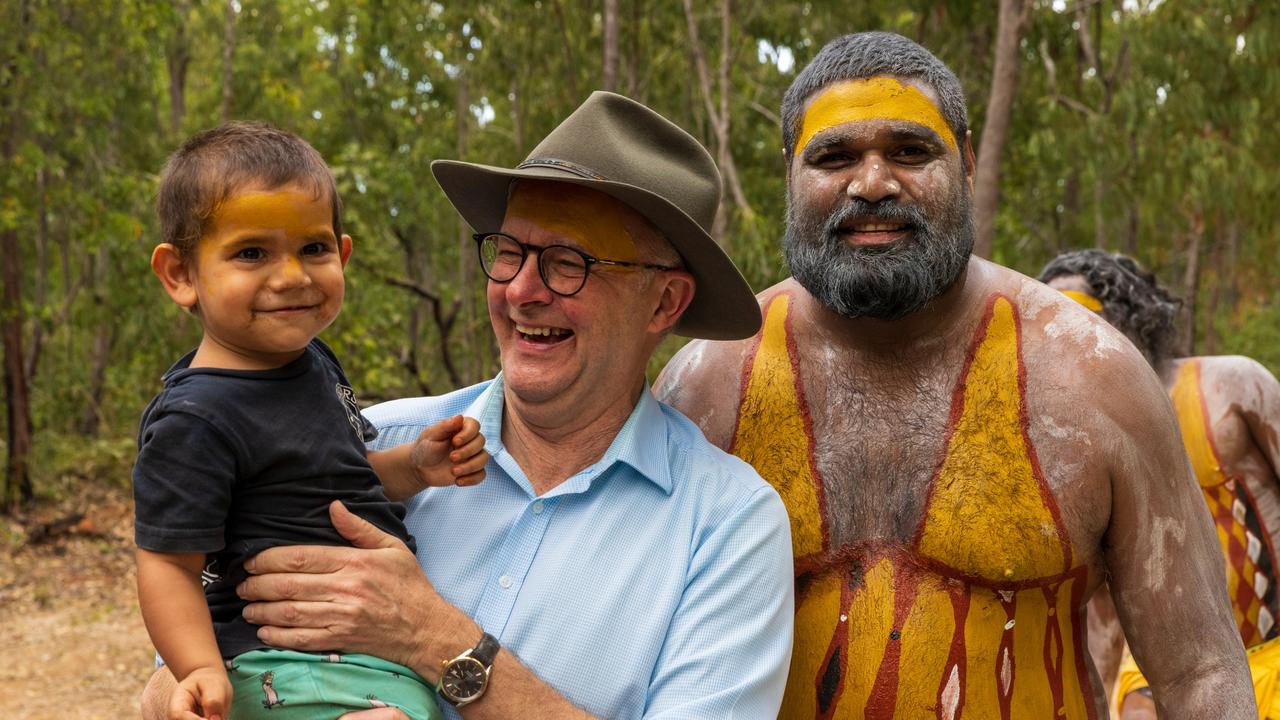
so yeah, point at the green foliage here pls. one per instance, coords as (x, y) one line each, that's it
(1138, 126)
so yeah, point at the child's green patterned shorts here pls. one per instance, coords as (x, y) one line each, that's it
(289, 685)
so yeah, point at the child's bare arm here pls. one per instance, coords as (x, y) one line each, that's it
(451, 452)
(177, 619)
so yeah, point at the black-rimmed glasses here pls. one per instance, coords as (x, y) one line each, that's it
(563, 269)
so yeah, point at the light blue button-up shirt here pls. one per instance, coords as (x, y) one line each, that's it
(656, 583)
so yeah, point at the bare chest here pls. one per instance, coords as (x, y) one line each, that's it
(942, 462)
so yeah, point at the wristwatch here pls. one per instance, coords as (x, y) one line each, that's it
(466, 677)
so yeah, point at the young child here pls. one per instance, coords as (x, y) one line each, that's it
(257, 430)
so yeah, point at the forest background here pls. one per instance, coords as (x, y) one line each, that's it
(1132, 125)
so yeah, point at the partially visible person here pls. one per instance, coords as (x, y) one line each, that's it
(965, 454)
(613, 563)
(1228, 408)
(257, 431)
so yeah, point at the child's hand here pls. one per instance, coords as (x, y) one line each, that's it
(203, 690)
(451, 452)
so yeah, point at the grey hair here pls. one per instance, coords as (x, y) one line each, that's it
(874, 54)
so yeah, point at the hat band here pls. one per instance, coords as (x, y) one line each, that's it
(565, 165)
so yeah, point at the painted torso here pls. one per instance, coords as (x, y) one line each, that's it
(1220, 450)
(935, 575)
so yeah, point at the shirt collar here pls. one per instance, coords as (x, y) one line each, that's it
(640, 444)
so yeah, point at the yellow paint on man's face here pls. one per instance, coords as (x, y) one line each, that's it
(593, 220)
(878, 98)
(1090, 302)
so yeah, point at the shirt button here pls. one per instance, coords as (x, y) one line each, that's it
(505, 581)
(537, 508)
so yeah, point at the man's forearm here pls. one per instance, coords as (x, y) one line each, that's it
(516, 692)
(1223, 694)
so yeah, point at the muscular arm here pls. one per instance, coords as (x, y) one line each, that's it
(1166, 570)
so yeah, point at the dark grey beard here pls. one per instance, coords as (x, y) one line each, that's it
(886, 282)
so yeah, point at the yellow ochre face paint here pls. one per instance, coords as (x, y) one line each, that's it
(294, 211)
(878, 98)
(1085, 299)
(591, 219)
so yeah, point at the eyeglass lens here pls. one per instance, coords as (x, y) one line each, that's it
(562, 269)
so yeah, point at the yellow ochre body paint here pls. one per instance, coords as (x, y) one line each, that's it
(980, 614)
(878, 98)
(1246, 544)
(591, 219)
(1090, 302)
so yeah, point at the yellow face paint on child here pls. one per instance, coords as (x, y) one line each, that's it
(878, 98)
(294, 211)
(592, 219)
(1090, 302)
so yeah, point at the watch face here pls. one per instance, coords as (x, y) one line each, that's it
(463, 679)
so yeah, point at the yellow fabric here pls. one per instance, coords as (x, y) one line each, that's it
(878, 98)
(1090, 302)
(888, 631)
(1264, 666)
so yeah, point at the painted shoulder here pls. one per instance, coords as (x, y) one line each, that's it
(1232, 369)
(703, 380)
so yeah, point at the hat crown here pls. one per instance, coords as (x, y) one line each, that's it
(611, 137)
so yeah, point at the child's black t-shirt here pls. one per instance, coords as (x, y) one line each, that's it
(232, 462)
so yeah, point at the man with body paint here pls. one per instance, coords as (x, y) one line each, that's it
(626, 567)
(1228, 409)
(964, 453)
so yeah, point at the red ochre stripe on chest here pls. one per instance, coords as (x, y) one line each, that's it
(990, 514)
(774, 431)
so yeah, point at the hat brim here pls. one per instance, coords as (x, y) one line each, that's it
(723, 306)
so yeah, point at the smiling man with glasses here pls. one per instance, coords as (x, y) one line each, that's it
(613, 563)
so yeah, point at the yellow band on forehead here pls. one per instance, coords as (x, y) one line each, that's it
(879, 98)
(1084, 299)
(270, 209)
(590, 218)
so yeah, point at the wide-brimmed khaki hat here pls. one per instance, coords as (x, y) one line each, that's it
(622, 148)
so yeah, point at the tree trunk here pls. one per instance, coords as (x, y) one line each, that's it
(178, 57)
(1004, 85)
(570, 61)
(1191, 281)
(517, 118)
(42, 273)
(17, 485)
(1099, 218)
(17, 394)
(466, 252)
(1215, 293)
(228, 51)
(609, 78)
(104, 336)
(718, 111)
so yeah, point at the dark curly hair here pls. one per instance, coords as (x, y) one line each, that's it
(1132, 299)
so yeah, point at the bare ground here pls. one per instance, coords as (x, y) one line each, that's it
(69, 620)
